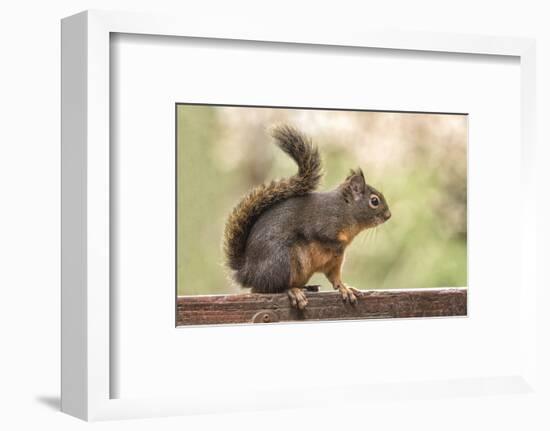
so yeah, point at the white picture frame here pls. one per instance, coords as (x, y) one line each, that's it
(87, 341)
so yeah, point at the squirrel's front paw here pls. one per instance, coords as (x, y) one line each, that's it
(348, 293)
(297, 297)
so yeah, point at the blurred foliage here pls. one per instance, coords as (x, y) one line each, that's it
(418, 161)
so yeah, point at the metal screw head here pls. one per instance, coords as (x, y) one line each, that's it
(265, 316)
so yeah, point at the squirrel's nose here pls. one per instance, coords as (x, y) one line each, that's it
(387, 214)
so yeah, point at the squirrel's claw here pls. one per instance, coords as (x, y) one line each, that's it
(348, 293)
(297, 297)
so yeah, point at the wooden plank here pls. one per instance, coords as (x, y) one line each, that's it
(372, 304)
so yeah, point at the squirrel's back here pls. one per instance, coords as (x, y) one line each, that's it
(244, 215)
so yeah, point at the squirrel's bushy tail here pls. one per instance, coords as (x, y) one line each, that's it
(243, 216)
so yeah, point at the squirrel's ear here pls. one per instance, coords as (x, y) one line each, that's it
(355, 186)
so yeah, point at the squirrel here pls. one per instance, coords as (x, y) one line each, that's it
(283, 231)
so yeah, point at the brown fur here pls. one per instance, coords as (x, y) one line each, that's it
(307, 259)
(346, 235)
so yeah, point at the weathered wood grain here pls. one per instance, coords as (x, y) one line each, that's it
(372, 304)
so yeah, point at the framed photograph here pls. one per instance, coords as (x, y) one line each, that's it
(279, 235)
(280, 203)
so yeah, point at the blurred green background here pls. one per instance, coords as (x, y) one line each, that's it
(418, 161)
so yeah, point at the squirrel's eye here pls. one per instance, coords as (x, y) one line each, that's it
(374, 201)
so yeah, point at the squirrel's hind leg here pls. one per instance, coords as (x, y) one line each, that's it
(297, 297)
